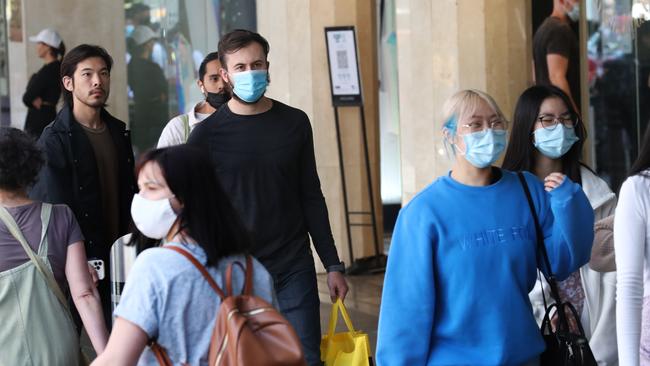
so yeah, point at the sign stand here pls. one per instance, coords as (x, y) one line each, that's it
(346, 92)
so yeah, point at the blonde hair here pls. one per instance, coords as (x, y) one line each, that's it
(464, 103)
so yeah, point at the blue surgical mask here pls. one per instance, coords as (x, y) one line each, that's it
(250, 85)
(556, 142)
(484, 147)
(574, 13)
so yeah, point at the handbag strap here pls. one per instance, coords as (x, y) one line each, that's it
(541, 248)
(201, 269)
(336, 307)
(14, 229)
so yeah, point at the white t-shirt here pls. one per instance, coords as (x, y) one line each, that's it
(178, 129)
(632, 248)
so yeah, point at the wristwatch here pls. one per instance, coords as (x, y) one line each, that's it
(336, 268)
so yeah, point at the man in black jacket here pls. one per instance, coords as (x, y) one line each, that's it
(89, 158)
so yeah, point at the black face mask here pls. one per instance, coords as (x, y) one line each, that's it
(216, 100)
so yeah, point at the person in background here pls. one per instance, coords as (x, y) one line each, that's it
(211, 84)
(150, 90)
(556, 55)
(89, 158)
(461, 266)
(166, 298)
(632, 247)
(546, 113)
(36, 323)
(44, 87)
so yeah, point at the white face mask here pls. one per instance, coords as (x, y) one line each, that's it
(154, 218)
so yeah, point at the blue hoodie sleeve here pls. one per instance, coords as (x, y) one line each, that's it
(408, 299)
(567, 221)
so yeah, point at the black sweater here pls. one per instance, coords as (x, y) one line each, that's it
(267, 166)
(45, 84)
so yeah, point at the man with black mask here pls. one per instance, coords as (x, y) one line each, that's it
(212, 87)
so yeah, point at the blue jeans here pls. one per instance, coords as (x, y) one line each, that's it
(297, 294)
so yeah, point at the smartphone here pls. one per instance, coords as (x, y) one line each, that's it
(98, 265)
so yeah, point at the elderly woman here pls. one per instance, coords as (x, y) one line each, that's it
(42, 257)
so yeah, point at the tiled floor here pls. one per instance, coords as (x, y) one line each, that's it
(362, 303)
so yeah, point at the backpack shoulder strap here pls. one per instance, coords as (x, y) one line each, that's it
(47, 274)
(248, 280)
(186, 126)
(201, 269)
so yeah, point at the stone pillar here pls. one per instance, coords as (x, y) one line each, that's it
(94, 22)
(300, 77)
(448, 45)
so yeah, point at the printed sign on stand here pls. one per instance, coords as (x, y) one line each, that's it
(344, 68)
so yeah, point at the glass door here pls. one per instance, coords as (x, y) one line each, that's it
(618, 59)
(162, 80)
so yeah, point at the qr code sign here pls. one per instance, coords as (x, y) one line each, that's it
(342, 59)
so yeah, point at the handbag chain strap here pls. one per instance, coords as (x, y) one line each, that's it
(541, 248)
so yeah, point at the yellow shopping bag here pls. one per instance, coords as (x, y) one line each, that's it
(350, 348)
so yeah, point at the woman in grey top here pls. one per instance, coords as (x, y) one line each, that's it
(42, 257)
(166, 298)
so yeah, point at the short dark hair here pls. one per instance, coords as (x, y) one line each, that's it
(209, 58)
(521, 151)
(20, 159)
(77, 55)
(238, 39)
(207, 216)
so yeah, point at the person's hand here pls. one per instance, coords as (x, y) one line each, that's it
(93, 274)
(553, 181)
(37, 103)
(337, 285)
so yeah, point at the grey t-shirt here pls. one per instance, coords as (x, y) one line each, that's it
(62, 231)
(168, 298)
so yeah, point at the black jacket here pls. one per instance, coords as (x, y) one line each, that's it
(70, 176)
(45, 84)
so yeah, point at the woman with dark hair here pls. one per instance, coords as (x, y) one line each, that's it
(44, 87)
(42, 256)
(547, 136)
(166, 298)
(462, 257)
(632, 246)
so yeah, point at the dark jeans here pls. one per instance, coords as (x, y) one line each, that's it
(297, 294)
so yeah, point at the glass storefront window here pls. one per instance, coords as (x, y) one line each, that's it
(162, 73)
(5, 116)
(618, 54)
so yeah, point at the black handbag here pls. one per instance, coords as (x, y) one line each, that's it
(564, 346)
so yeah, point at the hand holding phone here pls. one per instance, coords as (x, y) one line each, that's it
(98, 266)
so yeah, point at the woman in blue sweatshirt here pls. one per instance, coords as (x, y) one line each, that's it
(462, 260)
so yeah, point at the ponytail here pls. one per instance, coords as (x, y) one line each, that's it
(59, 52)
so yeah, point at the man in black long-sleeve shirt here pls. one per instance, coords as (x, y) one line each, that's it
(263, 154)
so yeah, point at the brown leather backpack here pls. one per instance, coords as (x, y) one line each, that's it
(248, 330)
